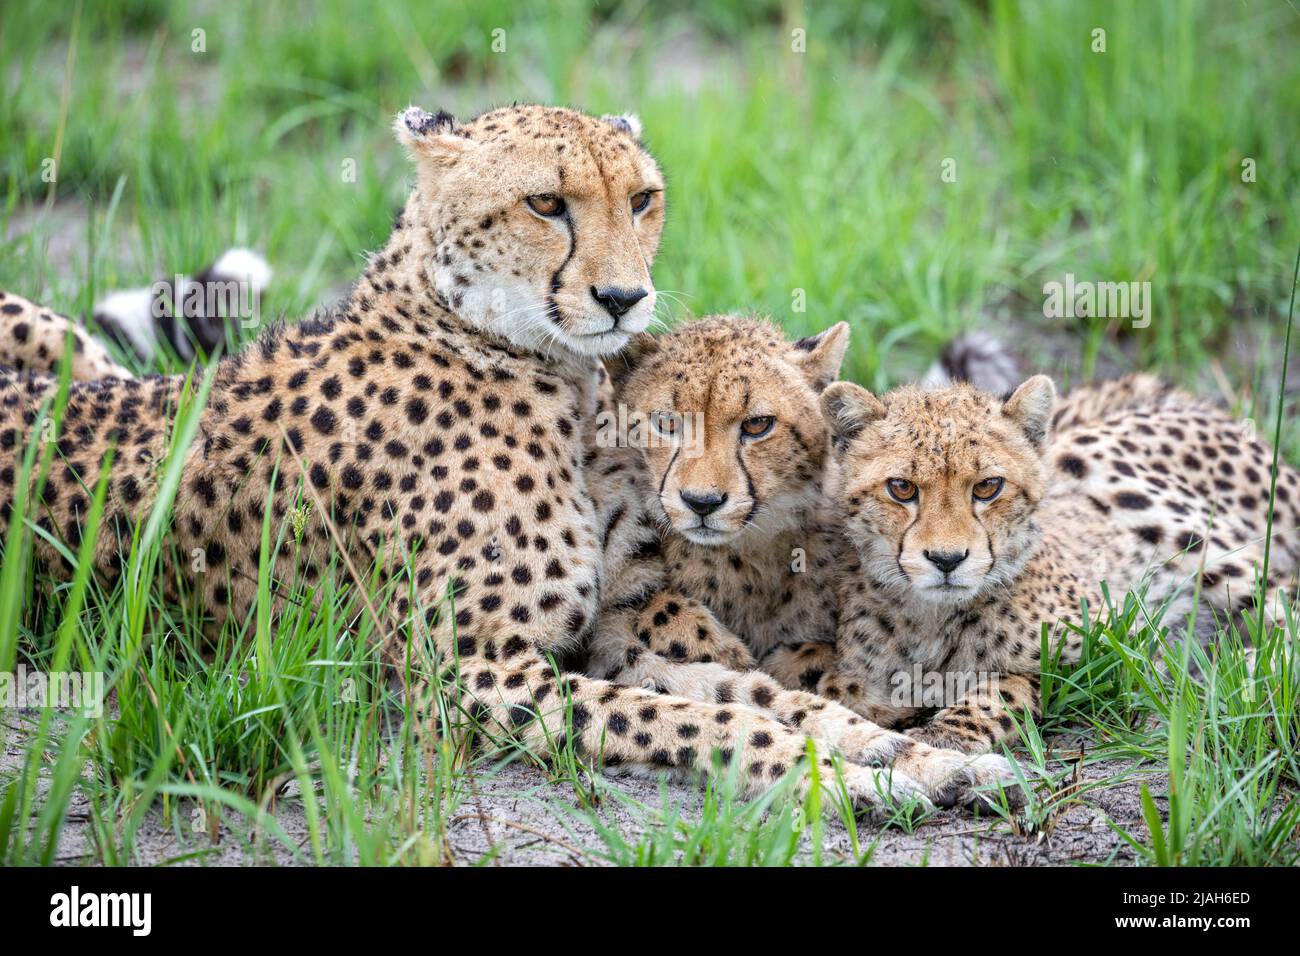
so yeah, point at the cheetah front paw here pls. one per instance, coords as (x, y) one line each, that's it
(878, 790)
(939, 735)
(732, 654)
(955, 779)
(684, 631)
(706, 643)
(994, 774)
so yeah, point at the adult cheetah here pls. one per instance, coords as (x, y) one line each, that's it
(439, 423)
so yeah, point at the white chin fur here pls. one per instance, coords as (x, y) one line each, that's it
(702, 536)
(604, 337)
(595, 346)
(524, 322)
(952, 594)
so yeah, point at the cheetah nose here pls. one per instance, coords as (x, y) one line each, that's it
(946, 561)
(618, 301)
(704, 503)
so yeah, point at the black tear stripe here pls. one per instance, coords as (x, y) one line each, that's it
(740, 444)
(798, 437)
(749, 482)
(669, 470)
(902, 543)
(677, 449)
(610, 525)
(553, 310)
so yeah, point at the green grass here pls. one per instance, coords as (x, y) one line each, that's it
(1220, 736)
(811, 176)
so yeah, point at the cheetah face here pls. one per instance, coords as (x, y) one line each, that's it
(732, 434)
(937, 489)
(544, 224)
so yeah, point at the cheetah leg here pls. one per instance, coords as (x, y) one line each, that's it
(633, 726)
(980, 720)
(949, 778)
(800, 666)
(668, 626)
(681, 629)
(33, 339)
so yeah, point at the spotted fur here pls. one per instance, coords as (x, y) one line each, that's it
(438, 426)
(761, 559)
(1143, 488)
(34, 339)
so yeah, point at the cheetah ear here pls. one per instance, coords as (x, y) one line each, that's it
(1030, 407)
(432, 136)
(622, 365)
(819, 356)
(848, 408)
(628, 123)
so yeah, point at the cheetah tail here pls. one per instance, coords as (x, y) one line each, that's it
(226, 292)
(977, 358)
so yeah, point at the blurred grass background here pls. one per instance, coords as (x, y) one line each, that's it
(817, 171)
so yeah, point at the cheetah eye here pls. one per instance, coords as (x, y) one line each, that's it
(665, 423)
(758, 426)
(901, 490)
(641, 201)
(546, 205)
(988, 489)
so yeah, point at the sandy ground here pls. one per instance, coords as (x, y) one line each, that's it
(513, 816)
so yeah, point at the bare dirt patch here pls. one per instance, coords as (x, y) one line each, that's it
(512, 815)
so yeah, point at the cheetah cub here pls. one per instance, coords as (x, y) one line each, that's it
(972, 529)
(732, 459)
(736, 450)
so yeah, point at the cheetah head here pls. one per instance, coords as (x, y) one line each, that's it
(725, 413)
(937, 490)
(544, 223)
